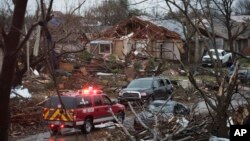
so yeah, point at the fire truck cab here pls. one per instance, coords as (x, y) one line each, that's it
(82, 109)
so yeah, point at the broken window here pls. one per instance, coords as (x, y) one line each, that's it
(104, 48)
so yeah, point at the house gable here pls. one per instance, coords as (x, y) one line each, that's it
(142, 29)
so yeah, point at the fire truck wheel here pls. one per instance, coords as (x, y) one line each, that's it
(120, 117)
(88, 126)
(54, 132)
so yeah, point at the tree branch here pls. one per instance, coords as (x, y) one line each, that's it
(26, 38)
(78, 7)
(141, 122)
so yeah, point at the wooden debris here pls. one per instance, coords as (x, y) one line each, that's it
(25, 117)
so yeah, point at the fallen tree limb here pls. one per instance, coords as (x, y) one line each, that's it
(155, 137)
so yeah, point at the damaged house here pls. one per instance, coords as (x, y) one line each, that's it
(69, 36)
(68, 33)
(240, 34)
(143, 36)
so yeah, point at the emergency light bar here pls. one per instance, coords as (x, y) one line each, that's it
(90, 90)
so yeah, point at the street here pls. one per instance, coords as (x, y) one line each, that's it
(70, 135)
(100, 133)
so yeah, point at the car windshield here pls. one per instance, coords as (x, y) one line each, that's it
(54, 102)
(156, 107)
(213, 53)
(140, 84)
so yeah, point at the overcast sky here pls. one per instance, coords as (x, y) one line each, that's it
(60, 5)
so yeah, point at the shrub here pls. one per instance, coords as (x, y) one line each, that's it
(85, 55)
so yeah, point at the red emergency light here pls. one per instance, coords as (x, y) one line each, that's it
(89, 90)
(85, 91)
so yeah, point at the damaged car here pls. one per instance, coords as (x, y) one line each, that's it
(164, 110)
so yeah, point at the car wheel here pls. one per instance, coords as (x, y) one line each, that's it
(87, 126)
(120, 117)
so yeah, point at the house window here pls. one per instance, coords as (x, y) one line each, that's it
(105, 49)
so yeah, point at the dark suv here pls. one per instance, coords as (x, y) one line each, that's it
(148, 88)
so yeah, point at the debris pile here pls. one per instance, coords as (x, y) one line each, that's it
(110, 75)
(25, 117)
(176, 128)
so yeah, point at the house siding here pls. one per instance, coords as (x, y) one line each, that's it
(243, 43)
(118, 48)
(164, 50)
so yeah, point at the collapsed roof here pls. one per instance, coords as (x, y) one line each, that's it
(141, 29)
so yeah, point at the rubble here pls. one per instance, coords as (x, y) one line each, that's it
(19, 91)
(25, 117)
(110, 76)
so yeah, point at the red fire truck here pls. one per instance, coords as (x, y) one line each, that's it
(81, 109)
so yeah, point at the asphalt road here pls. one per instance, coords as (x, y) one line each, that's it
(71, 135)
(100, 133)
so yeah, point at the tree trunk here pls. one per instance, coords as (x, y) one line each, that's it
(11, 41)
(5, 87)
(220, 128)
(184, 56)
(18, 77)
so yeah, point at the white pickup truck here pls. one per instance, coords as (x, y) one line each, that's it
(224, 57)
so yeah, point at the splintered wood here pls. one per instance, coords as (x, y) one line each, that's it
(25, 117)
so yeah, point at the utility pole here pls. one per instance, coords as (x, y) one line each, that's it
(27, 52)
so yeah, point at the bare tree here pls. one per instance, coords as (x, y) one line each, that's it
(65, 31)
(71, 8)
(11, 41)
(242, 7)
(208, 11)
(110, 12)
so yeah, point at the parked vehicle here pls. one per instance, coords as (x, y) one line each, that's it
(243, 74)
(164, 109)
(146, 88)
(224, 57)
(83, 109)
